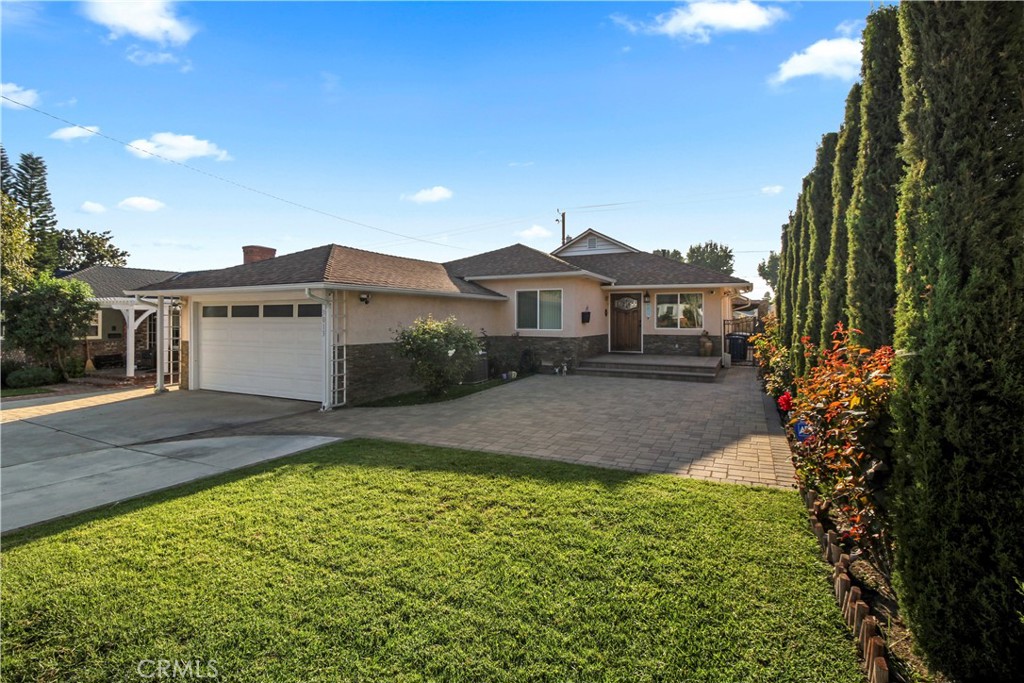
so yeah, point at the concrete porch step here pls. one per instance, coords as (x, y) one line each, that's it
(640, 373)
(649, 366)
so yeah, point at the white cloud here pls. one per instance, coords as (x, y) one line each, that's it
(697, 21)
(92, 207)
(140, 204)
(850, 28)
(18, 94)
(176, 148)
(771, 189)
(829, 58)
(534, 232)
(74, 132)
(136, 55)
(152, 20)
(520, 164)
(429, 195)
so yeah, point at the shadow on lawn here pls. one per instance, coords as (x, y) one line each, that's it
(356, 452)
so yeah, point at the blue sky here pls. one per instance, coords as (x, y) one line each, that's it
(464, 125)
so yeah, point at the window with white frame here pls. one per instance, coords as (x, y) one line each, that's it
(680, 311)
(539, 309)
(94, 331)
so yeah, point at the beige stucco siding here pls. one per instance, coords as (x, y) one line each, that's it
(376, 322)
(578, 295)
(713, 308)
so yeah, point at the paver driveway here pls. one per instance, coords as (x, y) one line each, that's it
(725, 431)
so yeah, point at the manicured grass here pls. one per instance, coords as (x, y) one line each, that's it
(415, 398)
(373, 561)
(10, 393)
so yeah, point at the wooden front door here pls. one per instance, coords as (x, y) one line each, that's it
(626, 322)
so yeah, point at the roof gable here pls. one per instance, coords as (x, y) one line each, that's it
(514, 260)
(650, 270)
(592, 242)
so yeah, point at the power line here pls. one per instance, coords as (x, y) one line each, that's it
(227, 180)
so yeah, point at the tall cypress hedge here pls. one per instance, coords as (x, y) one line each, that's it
(959, 483)
(833, 282)
(800, 291)
(871, 269)
(819, 231)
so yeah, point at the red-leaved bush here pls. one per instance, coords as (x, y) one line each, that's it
(844, 403)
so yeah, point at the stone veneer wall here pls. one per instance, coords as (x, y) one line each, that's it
(679, 345)
(183, 366)
(547, 350)
(376, 371)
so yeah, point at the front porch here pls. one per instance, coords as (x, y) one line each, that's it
(652, 366)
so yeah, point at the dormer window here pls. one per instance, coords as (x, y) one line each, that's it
(591, 243)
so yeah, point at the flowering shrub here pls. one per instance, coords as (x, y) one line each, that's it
(773, 358)
(442, 352)
(785, 402)
(843, 405)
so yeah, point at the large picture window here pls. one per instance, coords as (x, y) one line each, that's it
(539, 309)
(680, 311)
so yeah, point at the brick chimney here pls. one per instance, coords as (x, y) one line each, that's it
(255, 254)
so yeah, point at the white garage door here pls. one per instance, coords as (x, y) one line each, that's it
(269, 349)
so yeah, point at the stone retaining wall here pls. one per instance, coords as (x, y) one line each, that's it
(679, 345)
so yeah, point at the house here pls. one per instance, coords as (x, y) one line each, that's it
(123, 327)
(318, 324)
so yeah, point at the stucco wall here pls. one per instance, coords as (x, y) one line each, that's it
(578, 295)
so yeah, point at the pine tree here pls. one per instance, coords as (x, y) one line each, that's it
(6, 174)
(33, 196)
(819, 231)
(959, 480)
(871, 265)
(833, 283)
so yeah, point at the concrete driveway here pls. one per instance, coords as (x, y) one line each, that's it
(65, 455)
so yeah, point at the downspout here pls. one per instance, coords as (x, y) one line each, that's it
(328, 351)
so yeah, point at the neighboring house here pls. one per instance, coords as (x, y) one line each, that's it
(318, 324)
(123, 327)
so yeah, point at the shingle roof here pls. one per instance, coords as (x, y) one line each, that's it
(111, 281)
(517, 259)
(643, 269)
(331, 264)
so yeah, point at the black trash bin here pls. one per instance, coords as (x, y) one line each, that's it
(737, 347)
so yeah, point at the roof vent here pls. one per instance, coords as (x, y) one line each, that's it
(591, 243)
(255, 254)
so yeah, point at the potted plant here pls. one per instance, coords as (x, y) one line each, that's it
(705, 344)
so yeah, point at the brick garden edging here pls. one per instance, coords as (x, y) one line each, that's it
(866, 627)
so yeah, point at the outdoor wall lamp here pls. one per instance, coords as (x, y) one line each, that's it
(364, 297)
(647, 297)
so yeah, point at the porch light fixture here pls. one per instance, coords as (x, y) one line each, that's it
(647, 297)
(364, 297)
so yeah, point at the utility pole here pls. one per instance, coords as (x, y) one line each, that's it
(562, 215)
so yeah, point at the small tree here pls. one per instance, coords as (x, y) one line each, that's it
(768, 270)
(48, 318)
(711, 255)
(78, 249)
(442, 352)
(673, 254)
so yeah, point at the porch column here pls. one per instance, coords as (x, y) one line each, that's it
(129, 350)
(161, 352)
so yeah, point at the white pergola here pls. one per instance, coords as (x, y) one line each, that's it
(128, 307)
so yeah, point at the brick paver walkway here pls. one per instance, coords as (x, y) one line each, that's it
(725, 431)
(50, 404)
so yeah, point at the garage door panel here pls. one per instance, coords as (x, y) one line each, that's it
(265, 356)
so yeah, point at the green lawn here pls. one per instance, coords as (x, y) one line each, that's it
(10, 393)
(373, 561)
